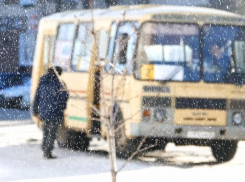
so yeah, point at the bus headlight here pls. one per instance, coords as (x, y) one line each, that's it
(237, 118)
(160, 115)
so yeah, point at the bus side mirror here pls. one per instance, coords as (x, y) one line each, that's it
(123, 46)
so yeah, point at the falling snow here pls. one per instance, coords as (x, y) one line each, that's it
(122, 90)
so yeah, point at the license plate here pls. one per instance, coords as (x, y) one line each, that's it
(200, 134)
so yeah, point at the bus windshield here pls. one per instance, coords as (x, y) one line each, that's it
(174, 49)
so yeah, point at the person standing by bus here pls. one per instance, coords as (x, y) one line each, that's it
(49, 105)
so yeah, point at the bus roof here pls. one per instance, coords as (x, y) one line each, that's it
(155, 12)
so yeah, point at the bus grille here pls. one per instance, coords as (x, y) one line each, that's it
(200, 103)
(237, 104)
(156, 101)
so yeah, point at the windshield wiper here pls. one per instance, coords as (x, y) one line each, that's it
(174, 73)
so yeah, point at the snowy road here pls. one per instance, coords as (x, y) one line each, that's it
(21, 159)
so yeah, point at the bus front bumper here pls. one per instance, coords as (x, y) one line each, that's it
(187, 132)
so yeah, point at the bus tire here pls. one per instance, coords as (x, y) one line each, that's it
(125, 147)
(155, 144)
(77, 140)
(71, 139)
(83, 141)
(224, 150)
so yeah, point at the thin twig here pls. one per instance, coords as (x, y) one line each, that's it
(136, 151)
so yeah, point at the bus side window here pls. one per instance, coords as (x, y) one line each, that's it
(51, 48)
(82, 48)
(125, 47)
(111, 46)
(239, 49)
(46, 54)
(63, 46)
(48, 49)
(102, 40)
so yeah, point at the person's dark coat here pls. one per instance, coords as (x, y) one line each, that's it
(51, 98)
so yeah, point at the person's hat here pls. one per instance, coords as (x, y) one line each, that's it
(58, 69)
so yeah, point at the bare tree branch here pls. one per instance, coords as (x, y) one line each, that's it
(137, 150)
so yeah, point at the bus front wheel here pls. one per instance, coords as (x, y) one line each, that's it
(224, 150)
(77, 140)
(125, 147)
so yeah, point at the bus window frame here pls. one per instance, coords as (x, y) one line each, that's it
(73, 47)
(109, 71)
(199, 46)
(55, 42)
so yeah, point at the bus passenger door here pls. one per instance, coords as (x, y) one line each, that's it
(97, 58)
(73, 53)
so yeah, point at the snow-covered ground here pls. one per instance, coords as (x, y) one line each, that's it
(21, 160)
(157, 174)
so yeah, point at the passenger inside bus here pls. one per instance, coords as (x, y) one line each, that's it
(123, 46)
(217, 65)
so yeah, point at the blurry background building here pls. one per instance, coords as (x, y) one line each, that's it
(19, 23)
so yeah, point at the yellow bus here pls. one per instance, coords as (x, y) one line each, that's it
(177, 74)
(66, 40)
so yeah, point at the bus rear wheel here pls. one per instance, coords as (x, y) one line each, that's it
(155, 144)
(71, 139)
(224, 150)
(77, 140)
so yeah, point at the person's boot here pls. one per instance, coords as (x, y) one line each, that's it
(49, 156)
